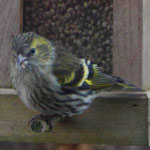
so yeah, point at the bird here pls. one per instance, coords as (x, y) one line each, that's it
(51, 80)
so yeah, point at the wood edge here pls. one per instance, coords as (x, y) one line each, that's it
(5, 91)
(103, 94)
(145, 45)
(125, 95)
(21, 15)
(148, 96)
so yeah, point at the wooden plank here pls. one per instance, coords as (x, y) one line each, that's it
(108, 121)
(127, 40)
(131, 41)
(9, 26)
(146, 45)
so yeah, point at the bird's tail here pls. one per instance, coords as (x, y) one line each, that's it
(124, 85)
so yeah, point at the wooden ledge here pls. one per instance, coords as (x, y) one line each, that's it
(109, 120)
(116, 94)
(5, 91)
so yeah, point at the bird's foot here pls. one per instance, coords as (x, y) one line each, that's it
(44, 123)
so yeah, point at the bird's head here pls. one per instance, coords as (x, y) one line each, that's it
(29, 49)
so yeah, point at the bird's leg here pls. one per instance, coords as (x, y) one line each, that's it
(44, 123)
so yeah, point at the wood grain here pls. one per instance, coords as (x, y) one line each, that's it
(9, 26)
(108, 121)
(127, 40)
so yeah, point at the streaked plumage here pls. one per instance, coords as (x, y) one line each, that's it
(51, 80)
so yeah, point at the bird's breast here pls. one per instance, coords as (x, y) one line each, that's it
(35, 89)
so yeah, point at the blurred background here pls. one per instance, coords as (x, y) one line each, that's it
(84, 27)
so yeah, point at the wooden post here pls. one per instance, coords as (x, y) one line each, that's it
(146, 45)
(131, 38)
(127, 40)
(9, 26)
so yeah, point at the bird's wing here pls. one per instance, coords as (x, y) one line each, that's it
(79, 73)
(68, 69)
(71, 71)
(96, 79)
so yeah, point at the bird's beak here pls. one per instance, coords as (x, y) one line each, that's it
(22, 61)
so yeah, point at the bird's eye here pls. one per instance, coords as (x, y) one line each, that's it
(32, 50)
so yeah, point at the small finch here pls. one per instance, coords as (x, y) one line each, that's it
(51, 80)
